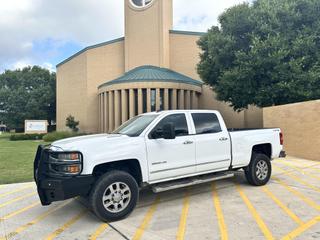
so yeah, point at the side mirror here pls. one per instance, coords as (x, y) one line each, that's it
(168, 131)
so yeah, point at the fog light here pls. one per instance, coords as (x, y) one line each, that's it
(74, 169)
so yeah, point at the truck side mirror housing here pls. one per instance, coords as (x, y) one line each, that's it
(168, 131)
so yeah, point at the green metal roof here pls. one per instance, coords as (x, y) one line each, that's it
(187, 32)
(152, 74)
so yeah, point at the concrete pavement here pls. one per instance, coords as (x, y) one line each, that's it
(287, 208)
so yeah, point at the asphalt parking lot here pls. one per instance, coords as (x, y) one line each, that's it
(287, 208)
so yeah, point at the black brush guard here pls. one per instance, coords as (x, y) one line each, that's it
(52, 188)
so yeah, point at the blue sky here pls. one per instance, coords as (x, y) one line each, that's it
(45, 32)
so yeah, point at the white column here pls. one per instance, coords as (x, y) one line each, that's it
(157, 99)
(195, 100)
(166, 99)
(187, 99)
(105, 121)
(132, 109)
(174, 99)
(148, 100)
(111, 111)
(140, 101)
(117, 107)
(181, 99)
(100, 114)
(124, 106)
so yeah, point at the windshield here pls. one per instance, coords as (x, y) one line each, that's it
(135, 126)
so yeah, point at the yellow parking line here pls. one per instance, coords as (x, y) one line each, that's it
(299, 170)
(298, 194)
(10, 215)
(293, 216)
(217, 205)
(33, 222)
(298, 231)
(298, 179)
(15, 191)
(313, 162)
(314, 168)
(147, 218)
(99, 231)
(263, 227)
(17, 199)
(66, 225)
(183, 219)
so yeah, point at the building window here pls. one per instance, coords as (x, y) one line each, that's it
(170, 99)
(141, 3)
(153, 100)
(135, 91)
(144, 100)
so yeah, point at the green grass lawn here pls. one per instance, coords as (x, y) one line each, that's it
(16, 159)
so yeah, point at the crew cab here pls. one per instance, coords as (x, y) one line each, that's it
(162, 150)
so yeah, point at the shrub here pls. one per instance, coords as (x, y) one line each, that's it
(72, 123)
(4, 135)
(54, 136)
(23, 137)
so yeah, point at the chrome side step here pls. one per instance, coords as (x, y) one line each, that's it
(162, 187)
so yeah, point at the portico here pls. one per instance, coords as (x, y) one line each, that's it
(145, 89)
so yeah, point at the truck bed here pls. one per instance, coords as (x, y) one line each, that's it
(245, 129)
(243, 140)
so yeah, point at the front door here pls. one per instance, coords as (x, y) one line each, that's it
(213, 151)
(171, 158)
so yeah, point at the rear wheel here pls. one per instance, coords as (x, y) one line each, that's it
(114, 196)
(259, 170)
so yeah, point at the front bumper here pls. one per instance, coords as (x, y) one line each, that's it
(50, 188)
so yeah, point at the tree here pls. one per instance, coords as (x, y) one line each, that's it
(72, 123)
(29, 93)
(264, 54)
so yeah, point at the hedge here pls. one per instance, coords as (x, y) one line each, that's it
(54, 136)
(23, 137)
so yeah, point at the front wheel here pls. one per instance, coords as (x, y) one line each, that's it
(258, 172)
(114, 196)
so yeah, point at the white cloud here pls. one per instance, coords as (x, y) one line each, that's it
(85, 22)
(49, 66)
(200, 15)
(21, 64)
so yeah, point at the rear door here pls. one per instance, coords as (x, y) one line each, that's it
(213, 148)
(171, 158)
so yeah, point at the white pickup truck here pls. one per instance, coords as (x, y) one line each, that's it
(162, 150)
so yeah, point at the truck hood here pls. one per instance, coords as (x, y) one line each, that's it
(102, 148)
(84, 142)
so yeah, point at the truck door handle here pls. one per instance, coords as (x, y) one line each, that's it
(223, 139)
(188, 142)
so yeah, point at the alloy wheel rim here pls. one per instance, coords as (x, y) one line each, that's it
(262, 170)
(116, 197)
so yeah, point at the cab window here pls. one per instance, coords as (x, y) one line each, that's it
(206, 123)
(179, 122)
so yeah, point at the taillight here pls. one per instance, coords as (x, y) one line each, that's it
(281, 138)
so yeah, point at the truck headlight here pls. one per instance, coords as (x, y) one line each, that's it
(65, 163)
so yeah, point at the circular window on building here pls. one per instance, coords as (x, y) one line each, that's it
(140, 3)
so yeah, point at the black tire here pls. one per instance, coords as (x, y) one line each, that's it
(101, 188)
(254, 178)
